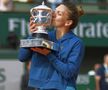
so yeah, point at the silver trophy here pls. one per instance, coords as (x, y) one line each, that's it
(42, 16)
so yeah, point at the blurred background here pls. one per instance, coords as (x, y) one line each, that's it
(14, 25)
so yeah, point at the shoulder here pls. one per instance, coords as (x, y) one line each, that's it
(77, 44)
(76, 40)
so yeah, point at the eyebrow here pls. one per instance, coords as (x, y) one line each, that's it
(59, 11)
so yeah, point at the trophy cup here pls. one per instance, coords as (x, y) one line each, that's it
(42, 16)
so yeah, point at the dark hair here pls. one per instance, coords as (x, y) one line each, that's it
(73, 13)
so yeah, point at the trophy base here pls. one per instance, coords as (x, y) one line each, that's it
(40, 35)
(39, 42)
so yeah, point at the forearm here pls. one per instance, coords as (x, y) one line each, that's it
(24, 54)
(97, 81)
(72, 62)
(66, 69)
(97, 87)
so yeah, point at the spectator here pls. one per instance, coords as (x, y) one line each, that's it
(6, 5)
(102, 75)
(93, 72)
(97, 66)
(54, 3)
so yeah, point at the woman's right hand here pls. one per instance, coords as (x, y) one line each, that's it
(33, 28)
(32, 25)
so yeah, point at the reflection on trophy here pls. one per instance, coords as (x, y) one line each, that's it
(42, 16)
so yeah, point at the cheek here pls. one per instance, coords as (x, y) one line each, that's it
(59, 19)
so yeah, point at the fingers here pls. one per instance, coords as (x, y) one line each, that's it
(43, 51)
(31, 21)
(32, 25)
(31, 18)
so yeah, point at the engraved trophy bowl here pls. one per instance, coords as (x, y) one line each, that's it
(41, 16)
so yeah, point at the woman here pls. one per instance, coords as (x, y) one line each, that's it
(57, 70)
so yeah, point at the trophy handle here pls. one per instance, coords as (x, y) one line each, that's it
(32, 14)
(31, 11)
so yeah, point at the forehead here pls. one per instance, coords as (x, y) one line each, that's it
(62, 8)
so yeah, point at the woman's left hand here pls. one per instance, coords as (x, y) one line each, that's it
(43, 51)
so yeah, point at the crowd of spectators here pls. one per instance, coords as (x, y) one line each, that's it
(6, 5)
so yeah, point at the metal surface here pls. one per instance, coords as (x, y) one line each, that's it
(39, 42)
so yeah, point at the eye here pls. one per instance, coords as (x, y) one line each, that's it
(59, 13)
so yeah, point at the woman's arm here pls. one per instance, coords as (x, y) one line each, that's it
(73, 62)
(25, 54)
(97, 81)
